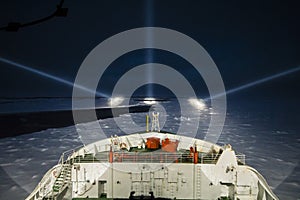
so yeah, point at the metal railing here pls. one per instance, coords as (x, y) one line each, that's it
(153, 157)
(43, 189)
(65, 156)
(241, 158)
(147, 157)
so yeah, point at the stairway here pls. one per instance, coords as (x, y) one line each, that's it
(63, 179)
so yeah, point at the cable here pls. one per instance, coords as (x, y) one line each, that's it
(15, 26)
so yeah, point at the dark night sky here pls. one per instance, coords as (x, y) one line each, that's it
(247, 41)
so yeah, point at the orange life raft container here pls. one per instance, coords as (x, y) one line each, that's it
(169, 145)
(153, 143)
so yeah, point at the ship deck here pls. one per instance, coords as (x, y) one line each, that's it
(207, 153)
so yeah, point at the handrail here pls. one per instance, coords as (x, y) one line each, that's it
(153, 157)
(66, 154)
(265, 184)
(241, 158)
(44, 181)
(205, 157)
(62, 170)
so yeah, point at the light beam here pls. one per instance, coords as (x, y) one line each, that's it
(257, 82)
(52, 77)
(149, 10)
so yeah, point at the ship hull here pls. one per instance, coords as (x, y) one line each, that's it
(123, 168)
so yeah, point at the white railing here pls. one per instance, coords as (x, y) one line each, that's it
(154, 157)
(264, 184)
(68, 154)
(45, 186)
(241, 158)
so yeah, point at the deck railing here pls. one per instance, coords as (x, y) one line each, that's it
(152, 157)
(65, 156)
(241, 158)
(147, 157)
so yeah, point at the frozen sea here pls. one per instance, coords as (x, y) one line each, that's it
(266, 131)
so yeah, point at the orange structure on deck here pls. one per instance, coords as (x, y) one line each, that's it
(169, 145)
(153, 143)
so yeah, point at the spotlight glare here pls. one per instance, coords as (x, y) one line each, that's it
(150, 101)
(197, 103)
(115, 101)
(52, 77)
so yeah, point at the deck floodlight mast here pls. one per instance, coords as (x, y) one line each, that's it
(155, 122)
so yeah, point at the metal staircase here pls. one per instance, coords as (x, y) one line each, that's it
(62, 180)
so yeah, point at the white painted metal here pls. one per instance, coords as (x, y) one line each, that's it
(87, 173)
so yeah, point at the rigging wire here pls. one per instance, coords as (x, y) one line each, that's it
(15, 26)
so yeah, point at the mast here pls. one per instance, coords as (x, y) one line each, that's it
(155, 122)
